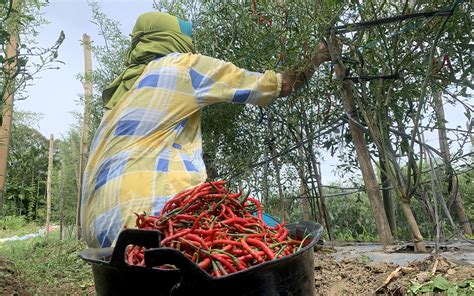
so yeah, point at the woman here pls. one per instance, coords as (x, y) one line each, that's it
(148, 146)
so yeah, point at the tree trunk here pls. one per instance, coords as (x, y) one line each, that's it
(305, 204)
(7, 100)
(266, 187)
(322, 201)
(277, 174)
(388, 203)
(303, 192)
(417, 237)
(312, 171)
(280, 189)
(48, 183)
(37, 200)
(444, 148)
(471, 129)
(371, 184)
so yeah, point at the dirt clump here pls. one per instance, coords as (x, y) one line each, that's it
(9, 284)
(423, 271)
(349, 276)
(359, 276)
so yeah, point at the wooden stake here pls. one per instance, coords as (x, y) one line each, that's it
(83, 150)
(48, 183)
(61, 203)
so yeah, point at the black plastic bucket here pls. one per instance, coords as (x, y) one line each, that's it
(290, 275)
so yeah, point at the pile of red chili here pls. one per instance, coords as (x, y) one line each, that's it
(216, 230)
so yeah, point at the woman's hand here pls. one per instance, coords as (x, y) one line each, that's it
(321, 54)
(291, 82)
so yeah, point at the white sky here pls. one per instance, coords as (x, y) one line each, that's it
(55, 93)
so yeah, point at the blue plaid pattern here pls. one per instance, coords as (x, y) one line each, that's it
(158, 203)
(149, 146)
(107, 226)
(202, 85)
(111, 168)
(241, 96)
(165, 78)
(162, 165)
(138, 122)
(179, 128)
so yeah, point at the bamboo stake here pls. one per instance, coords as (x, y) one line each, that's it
(61, 203)
(48, 183)
(83, 150)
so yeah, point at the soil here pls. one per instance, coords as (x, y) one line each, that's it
(333, 276)
(360, 276)
(9, 284)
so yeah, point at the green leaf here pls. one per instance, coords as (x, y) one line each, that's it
(428, 287)
(440, 283)
(452, 291)
(415, 287)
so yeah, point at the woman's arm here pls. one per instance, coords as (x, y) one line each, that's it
(291, 82)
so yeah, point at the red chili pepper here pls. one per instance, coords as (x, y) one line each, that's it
(283, 234)
(204, 264)
(220, 258)
(259, 206)
(251, 251)
(263, 246)
(216, 271)
(196, 223)
(225, 242)
(234, 220)
(249, 256)
(196, 238)
(228, 248)
(175, 236)
(215, 230)
(185, 217)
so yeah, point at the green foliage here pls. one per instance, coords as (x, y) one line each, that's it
(270, 36)
(363, 259)
(50, 266)
(440, 284)
(28, 165)
(12, 222)
(65, 177)
(352, 218)
(16, 226)
(466, 187)
(31, 58)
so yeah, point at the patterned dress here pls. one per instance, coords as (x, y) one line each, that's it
(149, 146)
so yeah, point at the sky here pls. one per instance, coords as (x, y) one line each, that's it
(55, 92)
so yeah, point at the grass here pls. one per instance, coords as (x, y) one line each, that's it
(48, 266)
(16, 226)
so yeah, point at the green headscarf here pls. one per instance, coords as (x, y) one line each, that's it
(154, 35)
